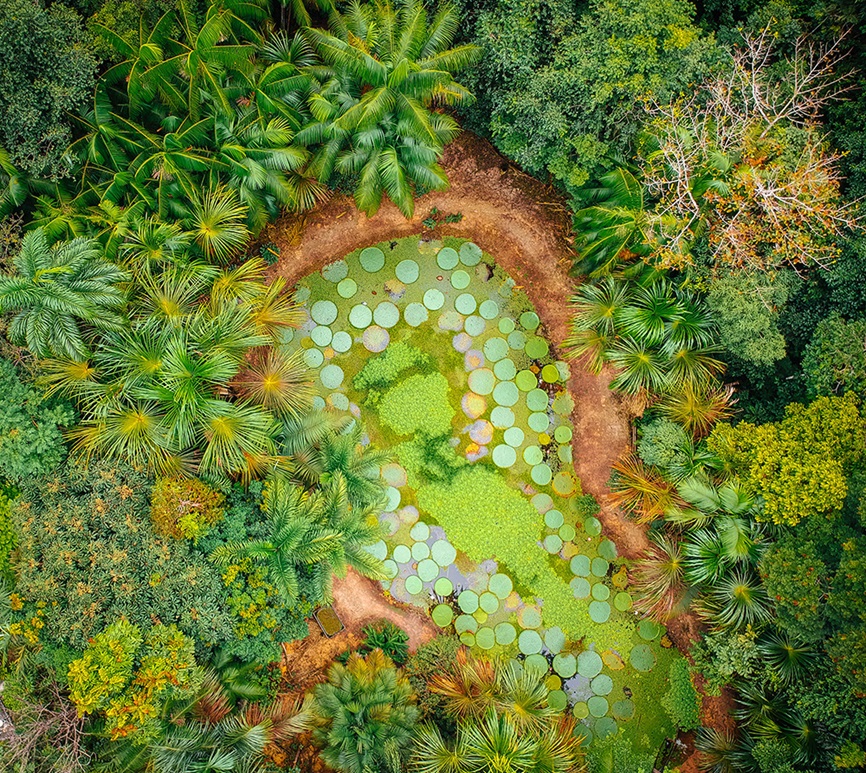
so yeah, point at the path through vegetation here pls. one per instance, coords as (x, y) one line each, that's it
(526, 227)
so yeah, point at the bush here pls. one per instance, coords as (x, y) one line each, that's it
(381, 371)
(835, 360)
(681, 702)
(661, 443)
(8, 540)
(418, 404)
(184, 508)
(434, 657)
(31, 442)
(385, 636)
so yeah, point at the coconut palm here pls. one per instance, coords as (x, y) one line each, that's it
(376, 122)
(58, 293)
(364, 715)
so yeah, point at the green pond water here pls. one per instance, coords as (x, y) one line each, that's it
(495, 538)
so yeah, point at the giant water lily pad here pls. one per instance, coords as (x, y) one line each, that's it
(500, 585)
(372, 259)
(600, 592)
(485, 638)
(321, 335)
(623, 709)
(323, 312)
(447, 258)
(536, 348)
(488, 309)
(336, 271)
(529, 320)
(539, 422)
(557, 700)
(386, 314)
(505, 633)
(420, 531)
(602, 685)
(470, 254)
(488, 602)
(313, 358)
(529, 617)
(553, 519)
(604, 727)
(465, 303)
(589, 664)
(529, 642)
(505, 393)
(360, 316)
(443, 587)
(420, 551)
(580, 565)
(599, 611)
(341, 342)
(402, 554)
(541, 474)
(442, 615)
(502, 417)
(465, 623)
(416, 314)
(428, 569)
(434, 299)
(482, 381)
(347, 288)
(597, 706)
(642, 657)
(517, 340)
(536, 400)
(504, 455)
(536, 663)
(474, 325)
(592, 526)
(565, 664)
(649, 629)
(505, 369)
(567, 533)
(622, 601)
(407, 271)
(533, 455)
(468, 601)
(460, 280)
(526, 381)
(607, 550)
(495, 349)
(600, 567)
(443, 553)
(513, 436)
(331, 376)
(580, 587)
(506, 325)
(414, 585)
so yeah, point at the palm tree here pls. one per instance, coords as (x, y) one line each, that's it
(58, 292)
(698, 407)
(658, 578)
(278, 383)
(364, 715)
(375, 113)
(217, 223)
(641, 489)
(597, 310)
(791, 659)
(736, 600)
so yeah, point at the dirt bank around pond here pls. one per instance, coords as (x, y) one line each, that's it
(526, 226)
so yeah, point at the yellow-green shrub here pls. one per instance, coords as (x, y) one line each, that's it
(184, 507)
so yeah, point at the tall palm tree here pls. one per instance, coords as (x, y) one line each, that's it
(376, 121)
(60, 291)
(364, 715)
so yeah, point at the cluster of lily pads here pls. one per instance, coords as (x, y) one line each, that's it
(512, 410)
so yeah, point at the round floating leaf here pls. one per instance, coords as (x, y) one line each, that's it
(533, 455)
(393, 495)
(517, 340)
(504, 455)
(538, 422)
(465, 303)
(505, 370)
(390, 568)
(563, 434)
(474, 325)
(580, 565)
(379, 550)
(550, 374)
(607, 549)
(407, 271)
(537, 663)
(468, 639)
(465, 623)
(415, 314)
(580, 587)
(372, 259)
(529, 320)
(470, 254)
(623, 709)
(600, 592)
(402, 554)
(336, 271)
(585, 735)
(468, 601)
(552, 543)
(553, 519)
(580, 710)
(331, 376)
(612, 660)
(443, 587)
(434, 299)
(339, 401)
(489, 309)
(564, 484)
(599, 567)
(557, 700)
(597, 706)
(495, 349)
(642, 657)
(462, 342)
(341, 342)
(542, 502)
(505, 633)
(502, 417)
(536, 348)
(460, 280)
(347, 288)
(529, 642)
(505, 393)
(513, 436)
(567, 532)
(500, 585)
(360, 316)
(428, 568)
(589, 664)
(554, 639)
(443, 553)
(622, 601)
(414, 585)
(447, 258)
(602, 685)
(537, 400)
(473, 405)
(506, 326)
(319, 402)
(599, 611)
(321, 335)
(324, 312)
(488, 602)
(592, 526)
(482, 381)
(529, 617)
(442, 615)
(565, 664)
(420, 551)
(450, 320)
(541, 474)
(604, 727)
(649, 629)
(313, 358)
(420, 532)
(386, 314)
(485, 638)
(526, 381)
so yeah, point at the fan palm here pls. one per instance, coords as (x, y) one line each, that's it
(58, 292)
(641, 489)
(217, 223)
(658, 578)
(374, 108)
(791, 659)
(363, 716)
(342, 453)
(736, 600)
(697, 407)
(278, 383)
(597, 310)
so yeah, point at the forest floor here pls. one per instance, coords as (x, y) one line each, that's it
(526, 226)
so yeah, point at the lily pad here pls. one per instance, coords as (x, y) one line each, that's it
(336, 271)
(470, 254)
(622, 601)
(529, 617)
(513, 436)
(321, 335)
(580, 587)
(415, 314)
(505, 393)
(505, 633)
(386, 314)
(331, 376)
(313, 358)
(465, 303)
(468, 601)
(360, 316)
(443, 553)
(552, 543)
(553, 519)
(504, 369)
(420, 551)
(565, 664)
(623, 709)
(489, 309)
(541, 474)
(474, 325)
(347, 288)
(529, 320)
(407, 271)
(600, 567)
(567, 532)
(488, 602)
(460, 280)
(324, 312)
(414, 585)
(442, 615)
(443, 587)
(536, 662)
(589, 664)
(390, 568)
(563, 434)
(592, 526)
(537, 400)
(502, 417)
(500, 585)
(539, 422)
(600, 592)
(580, 565)
(642, 657)
(485, 638)
(649, 630)
(402, 554)
(602, 685)
(506, 325)
(526, 381)
(533, 455)
(599, 611)
(495, 349)
(434, 299)
(597, 706)
(447, 258)
(504, 455)
(607, 549)
(517, 340)
(428, 569)
(465, 623)
(557, 700)
(604, 727)
(372, 259)
(550, 374)
(529, 642)
(536, 348)
(482, 381)
(341, 342)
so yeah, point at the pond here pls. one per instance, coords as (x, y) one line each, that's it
(444, 360)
